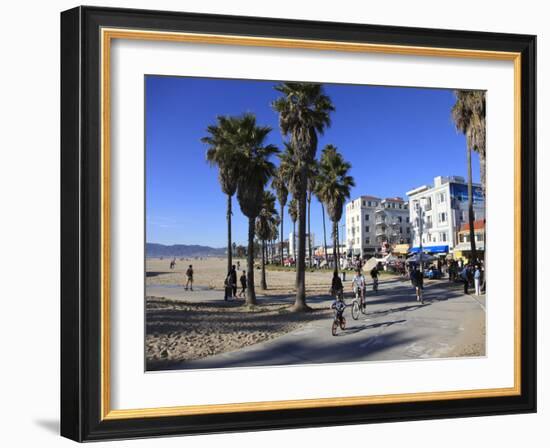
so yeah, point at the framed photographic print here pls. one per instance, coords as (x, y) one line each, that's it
(273, 223)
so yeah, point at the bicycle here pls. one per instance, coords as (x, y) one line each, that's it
(358, 304)
(339, 321)
(339, 306)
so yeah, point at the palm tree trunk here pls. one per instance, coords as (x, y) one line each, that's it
(309, 228)
(229, 245)
(334, 244)
(324, 233)
(264, 249)
(294, 242)
(300, 302)
(471, 209)
(282, 236)
(250, 292)
(482, 173)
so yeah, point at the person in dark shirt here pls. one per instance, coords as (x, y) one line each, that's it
(243, 285)
(231, 283)
(337, 287)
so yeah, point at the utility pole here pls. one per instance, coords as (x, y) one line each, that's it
(420, 228)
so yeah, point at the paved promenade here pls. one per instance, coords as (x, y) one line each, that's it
(396, 327)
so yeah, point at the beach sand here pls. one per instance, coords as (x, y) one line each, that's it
(211, 272)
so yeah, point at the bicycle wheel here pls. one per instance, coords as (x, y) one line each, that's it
(343, 323)
(334, 327)
(355, 310)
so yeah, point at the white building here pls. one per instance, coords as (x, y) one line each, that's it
(371, 221)
(437, 212)
(293, 244)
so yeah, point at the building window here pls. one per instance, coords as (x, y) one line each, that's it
(408, 230)
(363, 203)
(441, 198)
(400, 229)
(400, 219)
(428, 204)
(407, 219)
(479, 237)
(443, 236)
(367, 240)
(366, 217)
(367, 229)
(443, 217)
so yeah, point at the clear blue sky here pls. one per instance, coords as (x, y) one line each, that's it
(395, 138)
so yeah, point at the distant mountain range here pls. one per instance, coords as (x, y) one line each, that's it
(154, 250)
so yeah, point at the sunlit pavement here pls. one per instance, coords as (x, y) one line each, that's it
(395, 327)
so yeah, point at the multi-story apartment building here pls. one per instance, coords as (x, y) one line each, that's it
(437, 212)
(371, 221)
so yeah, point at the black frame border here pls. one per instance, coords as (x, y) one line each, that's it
(81, 223)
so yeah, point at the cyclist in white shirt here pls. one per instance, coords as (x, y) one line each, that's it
(359, 284)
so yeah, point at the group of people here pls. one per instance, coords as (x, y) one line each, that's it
(472, 275)
(230, 284)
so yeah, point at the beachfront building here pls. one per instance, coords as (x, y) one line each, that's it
(438, 211)
(463, 248)
(372, 221)
(293, 244)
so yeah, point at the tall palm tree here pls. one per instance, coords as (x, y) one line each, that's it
(266, 220)
(313, 174)
(468, 114)
(255, 170)
(281, 191)
(304, 113)
(334, 187)
(223, 153)
(293, 213)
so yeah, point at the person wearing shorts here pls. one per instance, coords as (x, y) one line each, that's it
(189, 275)
(417, 281)
(243, 285)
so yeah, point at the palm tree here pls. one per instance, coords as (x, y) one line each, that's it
(223, 153)
(304, 112)
(266, 220)
(255, 170)
(334, 185)
(468, 114)
(311, 186)
(293, 213)
(281, 191)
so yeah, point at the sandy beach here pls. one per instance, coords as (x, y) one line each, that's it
(210, 273)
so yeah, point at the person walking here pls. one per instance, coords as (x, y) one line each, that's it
(231, 284)
(189, 274)
(243, 285)
(465, 277)
(477, 280)
(417, 281)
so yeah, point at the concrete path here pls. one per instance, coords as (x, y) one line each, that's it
(396, 327)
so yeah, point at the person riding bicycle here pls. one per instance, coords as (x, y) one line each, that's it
(374, 275)
(359, 284)
(337, 288)
(338, 306)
